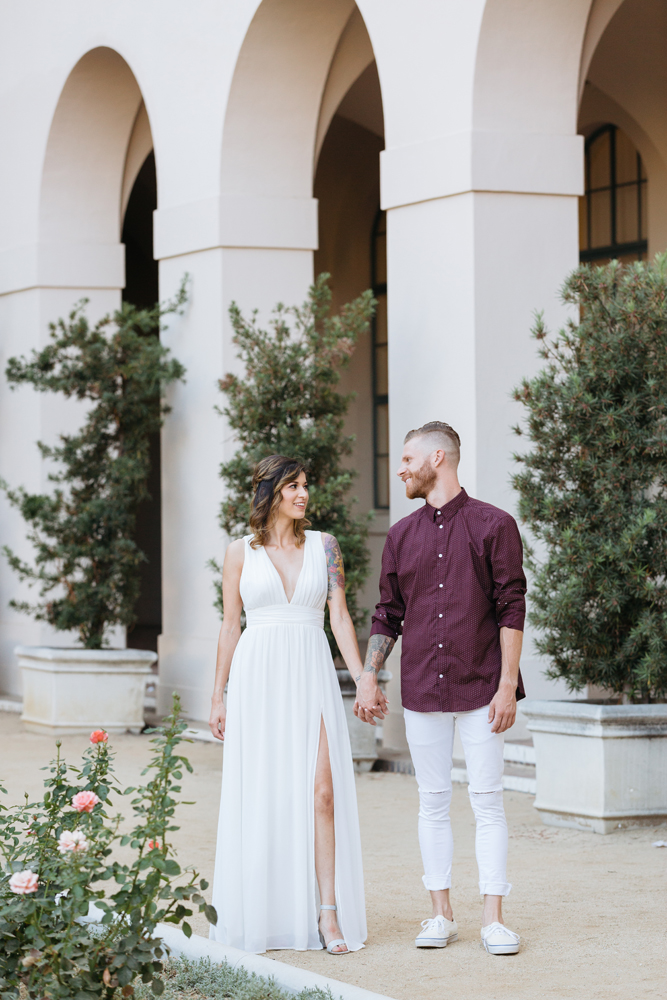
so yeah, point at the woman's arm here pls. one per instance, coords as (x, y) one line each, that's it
(230, 633)
(341, 623)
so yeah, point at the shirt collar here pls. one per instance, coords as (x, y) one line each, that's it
(449, 509)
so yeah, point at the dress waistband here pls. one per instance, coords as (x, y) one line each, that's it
(284, 614)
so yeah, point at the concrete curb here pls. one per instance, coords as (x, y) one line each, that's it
(288, 977)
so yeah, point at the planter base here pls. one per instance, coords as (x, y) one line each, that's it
(599, 767)
(72, 691)
(595, 824)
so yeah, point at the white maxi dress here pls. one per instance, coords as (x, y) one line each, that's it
(282, 683)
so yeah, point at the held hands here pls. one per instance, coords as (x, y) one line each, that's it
(370, 703)
(218, 719)
(502, 710)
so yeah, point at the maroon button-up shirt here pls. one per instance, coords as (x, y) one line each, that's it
(451, 577)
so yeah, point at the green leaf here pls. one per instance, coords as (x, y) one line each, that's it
(157, 987)
(211, 914)
(187, 930)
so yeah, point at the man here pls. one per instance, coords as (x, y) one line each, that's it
(452, 584)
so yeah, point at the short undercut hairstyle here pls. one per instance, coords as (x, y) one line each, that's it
(440, 435)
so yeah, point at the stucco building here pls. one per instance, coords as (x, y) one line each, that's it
(457, 157)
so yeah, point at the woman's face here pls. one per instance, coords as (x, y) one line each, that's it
(295, 498)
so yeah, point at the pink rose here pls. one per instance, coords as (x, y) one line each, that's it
(72, 840)
(85, 801)
(154, 845)
(23, 883)
(99, 736)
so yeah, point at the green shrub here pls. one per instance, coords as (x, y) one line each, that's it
(593, 488)
(287, 404)
(190, 980)
(87, 562)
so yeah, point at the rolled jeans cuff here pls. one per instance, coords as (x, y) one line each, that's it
(435, 883)
(495, 888)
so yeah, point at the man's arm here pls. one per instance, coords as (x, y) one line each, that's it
(371, 704)
(502, 710)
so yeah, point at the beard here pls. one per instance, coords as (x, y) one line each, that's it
(422, 482)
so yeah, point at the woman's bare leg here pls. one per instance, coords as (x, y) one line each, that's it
(325, 840)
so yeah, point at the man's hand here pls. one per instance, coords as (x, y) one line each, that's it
(502, 710)
(371, 704)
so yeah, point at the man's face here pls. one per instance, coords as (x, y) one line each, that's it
(416, 470)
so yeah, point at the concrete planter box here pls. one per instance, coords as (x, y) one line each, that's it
(599, 767)
(362, 735)
(78, 690)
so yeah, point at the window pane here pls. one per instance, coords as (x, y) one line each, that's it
(644, 228)
(382, 429)
(380, 251)
(628, 258)
(583, 223)
(382, 482)
(381, 320)
(627, 221)
(381, 375)
(600, 209)
(598, 160)
(626, 159)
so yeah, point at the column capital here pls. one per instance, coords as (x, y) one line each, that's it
(462, 162)
(62, 265)
(231, 220)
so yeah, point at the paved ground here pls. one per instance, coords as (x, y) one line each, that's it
(591, 910)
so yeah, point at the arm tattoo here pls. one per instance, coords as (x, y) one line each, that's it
(379, 648)
(335, 570)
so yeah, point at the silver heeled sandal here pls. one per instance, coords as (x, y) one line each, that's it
(332, 944)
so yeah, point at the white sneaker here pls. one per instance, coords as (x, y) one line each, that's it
(500, 940)
(437, 933)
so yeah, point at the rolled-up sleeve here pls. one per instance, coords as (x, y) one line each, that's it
(509, 581)
(390, 611)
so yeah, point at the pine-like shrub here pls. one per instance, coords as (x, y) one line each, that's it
(593, 488)
(87, 561)
(287, 404)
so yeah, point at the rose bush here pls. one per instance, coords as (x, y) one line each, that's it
(57, 859)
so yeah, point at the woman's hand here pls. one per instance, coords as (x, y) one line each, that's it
(218, 719)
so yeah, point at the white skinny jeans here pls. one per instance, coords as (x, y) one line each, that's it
(431, 739)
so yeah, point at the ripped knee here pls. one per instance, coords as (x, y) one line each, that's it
(434, 805)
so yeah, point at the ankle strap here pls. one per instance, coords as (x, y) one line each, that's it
(327, 906)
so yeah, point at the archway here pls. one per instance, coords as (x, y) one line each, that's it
(624, 87)
(300, 159)
(98, 195)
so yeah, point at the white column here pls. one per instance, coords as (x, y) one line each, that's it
(482, 230)
(39, 284)
(257, 252)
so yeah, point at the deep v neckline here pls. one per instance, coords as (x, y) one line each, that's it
(280, 579)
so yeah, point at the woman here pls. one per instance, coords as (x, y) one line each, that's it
(288, 871)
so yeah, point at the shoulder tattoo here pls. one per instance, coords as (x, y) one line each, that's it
(335, 569)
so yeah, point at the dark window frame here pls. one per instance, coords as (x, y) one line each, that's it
(614, 249)
(379, 399)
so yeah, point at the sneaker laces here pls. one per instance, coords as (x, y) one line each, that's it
(497, 926)
(434, 920)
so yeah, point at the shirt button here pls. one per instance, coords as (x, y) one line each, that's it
(440, 646)
(439, 616)
(439, 555)
(440, 527)
(439, 675)
(438, 512)
(440, 585)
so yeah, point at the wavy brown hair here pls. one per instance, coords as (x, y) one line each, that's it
(268, 479)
